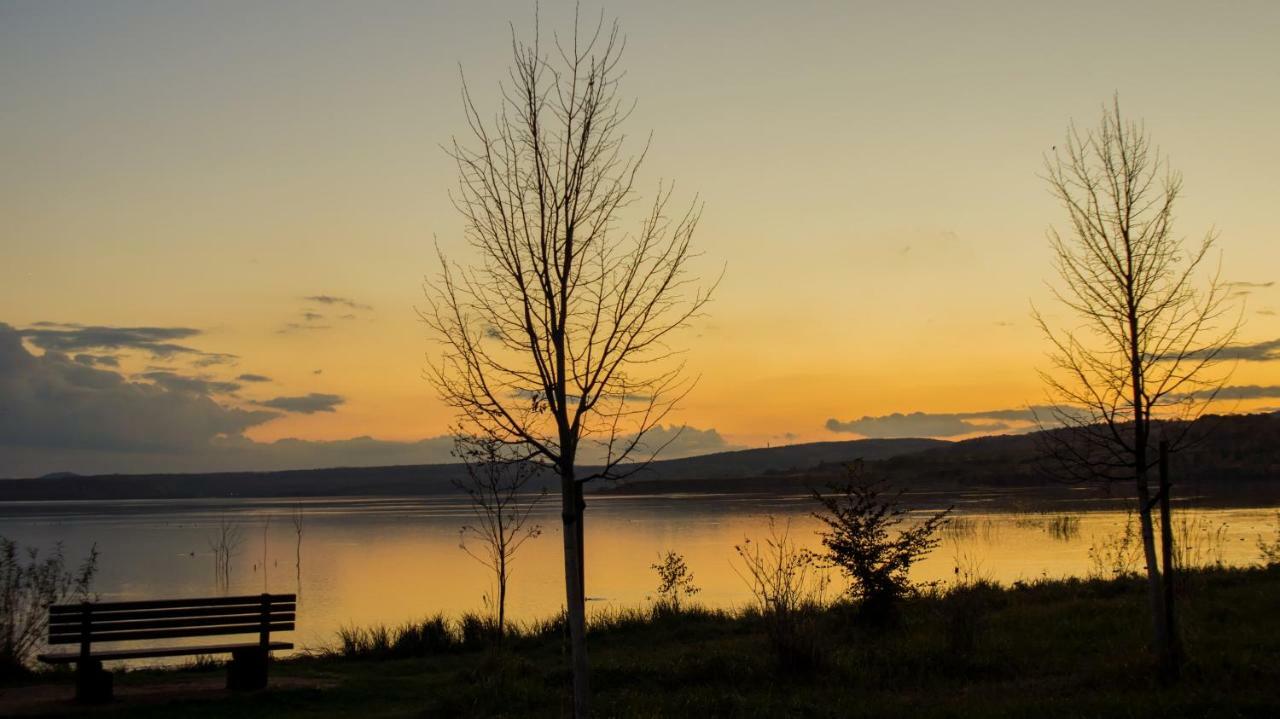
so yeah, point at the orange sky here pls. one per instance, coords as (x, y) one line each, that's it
(869, 174)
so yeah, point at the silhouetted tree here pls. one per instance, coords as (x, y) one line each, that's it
(495, 485)
(556, 335)
(1147, 340)
(867, 541)
(299, 526)
(225, 543)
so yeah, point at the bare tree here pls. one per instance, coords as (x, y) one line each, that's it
(299, 525)
(555, 337)
(1143, 361)
(225, 544)
(496, 486)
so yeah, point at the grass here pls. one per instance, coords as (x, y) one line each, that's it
(1073, 648)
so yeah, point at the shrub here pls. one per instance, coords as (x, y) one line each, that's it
(1116, 556)
(675, 582)
(788, 593)
(868, 541)
(28, 585)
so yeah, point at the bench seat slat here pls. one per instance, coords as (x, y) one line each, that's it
(249, 599)
(140, 634)
(97, 615)
(109, 654)
(98, 628)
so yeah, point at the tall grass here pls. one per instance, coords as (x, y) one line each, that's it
(1063, 527)
(1197, 542)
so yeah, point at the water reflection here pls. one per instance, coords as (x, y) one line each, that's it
(387, 560)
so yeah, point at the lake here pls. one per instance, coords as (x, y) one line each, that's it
(388, 560)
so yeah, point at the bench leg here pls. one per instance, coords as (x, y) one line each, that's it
(93, 683)
(247, 670)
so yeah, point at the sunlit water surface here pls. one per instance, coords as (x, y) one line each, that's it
(388, 560)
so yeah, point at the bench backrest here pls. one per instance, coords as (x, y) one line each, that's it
(91, 622)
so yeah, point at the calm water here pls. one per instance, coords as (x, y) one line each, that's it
(383, 560)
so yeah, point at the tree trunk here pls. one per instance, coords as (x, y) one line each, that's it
(1141, 435)
(502, 596)
(1171, 656)
(1155, 591)
(575, 598)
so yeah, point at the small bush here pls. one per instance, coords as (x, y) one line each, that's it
(413, 639)
(675, 582)
(788, 592)
(479, 630)
(1116, 556)
(28, 585)
(868, 541)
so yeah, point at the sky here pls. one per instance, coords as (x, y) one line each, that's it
(217, 217)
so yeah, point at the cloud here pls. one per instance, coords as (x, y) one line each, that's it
(342, 301)
(98, 360)
(291, 327)
(671, 442)
(924, 424)
(55, 403)
(306, 404)
(1250, 285)
(159, 342)
(1244, 391)
(1267, 312)
(312, 316)
(194, 385)
(1257, 352)
(209, 359)
(250, 377)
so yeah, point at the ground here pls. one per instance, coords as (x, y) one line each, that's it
(1051, 649)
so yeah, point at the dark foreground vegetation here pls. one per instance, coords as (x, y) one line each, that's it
(1074, 648)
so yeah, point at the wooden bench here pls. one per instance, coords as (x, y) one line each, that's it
(148, 621)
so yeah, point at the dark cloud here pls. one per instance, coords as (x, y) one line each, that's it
(194, 385)
(925, 424)
(209, 359)
(1265, 312)
(52, 402)
(1258, 352)
(312, 316)
(1250, 285)
(250, 377)
(915, 424)
(98, 360)
(1241, 391)
(670, 442)
(306, 404)
(66, 338)
(159, 342)
(341, 301)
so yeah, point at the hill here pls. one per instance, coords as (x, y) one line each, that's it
(431, 479)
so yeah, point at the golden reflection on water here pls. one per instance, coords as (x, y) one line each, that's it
(389, 561)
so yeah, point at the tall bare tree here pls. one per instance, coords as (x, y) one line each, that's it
(1141, 360)
(497, 487)
(556, 334)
